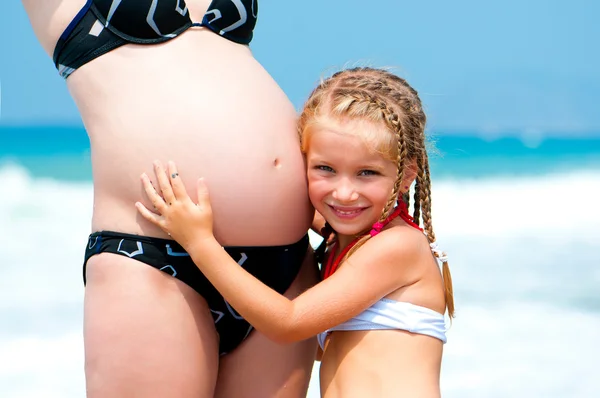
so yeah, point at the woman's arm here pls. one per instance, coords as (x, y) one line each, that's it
(373, 271)
(49, 18)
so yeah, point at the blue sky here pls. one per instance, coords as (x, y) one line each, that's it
(495, 68)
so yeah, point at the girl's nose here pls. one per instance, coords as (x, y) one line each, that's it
(345, 192)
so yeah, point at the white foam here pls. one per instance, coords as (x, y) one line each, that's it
(521, 350)
(553, 205)
(45, 217)
(37, 366)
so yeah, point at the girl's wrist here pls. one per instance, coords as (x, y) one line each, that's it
(202, 244)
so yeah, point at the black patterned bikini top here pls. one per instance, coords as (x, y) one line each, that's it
(103, 25)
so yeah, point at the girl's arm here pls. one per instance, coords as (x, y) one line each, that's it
(374, 271)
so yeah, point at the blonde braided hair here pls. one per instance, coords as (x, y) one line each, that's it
(379, 96)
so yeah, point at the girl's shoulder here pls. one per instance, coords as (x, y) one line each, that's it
(399, 246)
(403, 240)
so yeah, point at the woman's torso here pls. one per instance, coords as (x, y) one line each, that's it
(203, 102)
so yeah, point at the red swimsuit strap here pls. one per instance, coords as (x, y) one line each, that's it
(333, 262)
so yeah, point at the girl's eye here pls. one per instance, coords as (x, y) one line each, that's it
(365, 173)
(325, 168)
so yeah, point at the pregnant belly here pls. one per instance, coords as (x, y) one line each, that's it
(225, 120)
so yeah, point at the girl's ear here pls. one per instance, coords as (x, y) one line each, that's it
(410, 173)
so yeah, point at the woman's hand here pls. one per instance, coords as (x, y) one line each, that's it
(184, 220)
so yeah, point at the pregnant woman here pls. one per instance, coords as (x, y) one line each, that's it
(169, 80)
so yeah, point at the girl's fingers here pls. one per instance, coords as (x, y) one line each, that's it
(147, 214)
(176, 183)
(155, 198)
(164, 183)
(203, 198)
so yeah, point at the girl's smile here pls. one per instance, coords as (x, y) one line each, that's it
(347, 213)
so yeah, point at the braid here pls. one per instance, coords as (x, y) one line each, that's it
(395, 125)
(426, 199)
(406, 198)
(417, 195)
(426, 207)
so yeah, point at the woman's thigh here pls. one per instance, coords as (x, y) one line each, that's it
(146, 334)
(262, 368)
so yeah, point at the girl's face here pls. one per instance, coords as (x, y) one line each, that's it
(348, 183)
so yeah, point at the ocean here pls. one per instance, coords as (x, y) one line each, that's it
(519, 219)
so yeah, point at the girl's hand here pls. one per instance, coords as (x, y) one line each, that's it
(184, 220)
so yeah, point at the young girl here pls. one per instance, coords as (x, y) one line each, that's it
(379, 310)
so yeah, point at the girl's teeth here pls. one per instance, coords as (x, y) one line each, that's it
(347, 212)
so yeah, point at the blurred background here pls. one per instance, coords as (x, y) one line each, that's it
(511, 90)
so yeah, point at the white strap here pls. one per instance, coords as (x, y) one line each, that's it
(443, 257)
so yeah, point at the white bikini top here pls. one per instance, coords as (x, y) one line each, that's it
(388, 314)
